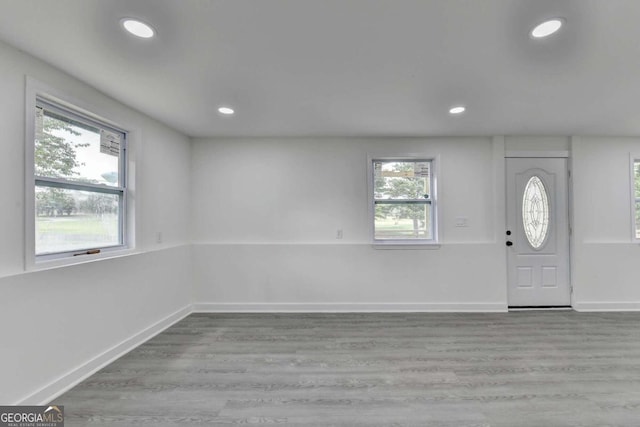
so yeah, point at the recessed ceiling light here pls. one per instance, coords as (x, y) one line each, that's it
(226, 111)
(546, 28)
(457, 110)
(138, 28)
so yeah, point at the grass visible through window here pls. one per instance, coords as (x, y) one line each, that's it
(74, 232)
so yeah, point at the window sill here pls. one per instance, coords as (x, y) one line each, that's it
(82, 259)
(406, 246)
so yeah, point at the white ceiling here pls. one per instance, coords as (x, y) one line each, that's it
(350, 67)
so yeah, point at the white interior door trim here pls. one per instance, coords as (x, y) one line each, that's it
(515, 154)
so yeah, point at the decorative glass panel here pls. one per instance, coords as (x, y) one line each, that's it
(535, 212)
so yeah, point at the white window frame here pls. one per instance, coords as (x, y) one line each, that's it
(634, 158)
(77, 110)
(432, 243)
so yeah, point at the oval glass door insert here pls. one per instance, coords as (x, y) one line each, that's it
(535, 212)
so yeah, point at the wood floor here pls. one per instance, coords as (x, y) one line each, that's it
(513, 369)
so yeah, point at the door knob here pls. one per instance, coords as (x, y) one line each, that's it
(509, 243)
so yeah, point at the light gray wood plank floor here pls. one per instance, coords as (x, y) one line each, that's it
(455, 370)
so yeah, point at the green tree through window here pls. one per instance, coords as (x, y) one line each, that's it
(55, 157)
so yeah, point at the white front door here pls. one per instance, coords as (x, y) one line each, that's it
(537, 234)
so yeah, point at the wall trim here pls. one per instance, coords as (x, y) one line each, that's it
(497, 307)
(541, 153)
(343, 243)
(607, 306)
(73, 377)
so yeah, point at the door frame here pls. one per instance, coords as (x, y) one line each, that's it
(542, 154)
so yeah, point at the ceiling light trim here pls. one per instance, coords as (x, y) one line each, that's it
(456, 110)
(226, 111)
(547, 28)
(138, 28)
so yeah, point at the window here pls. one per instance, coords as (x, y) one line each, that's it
(404, 201)
(79, 166)
(636, 197)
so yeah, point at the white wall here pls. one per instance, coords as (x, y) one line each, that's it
(53, 321)
(266, 211)
(265, 214)
(530, 143)
(606, 262)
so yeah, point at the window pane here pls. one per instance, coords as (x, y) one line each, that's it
(636, 176)
(400, 221)
(68, 149)
(68, 220)
(402, 180)
(637, 219)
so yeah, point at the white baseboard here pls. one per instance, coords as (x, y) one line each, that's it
(69, 380)
(607, 306)
(348, 307)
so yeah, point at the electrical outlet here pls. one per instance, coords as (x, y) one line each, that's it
(339, 233)
(158, 237)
